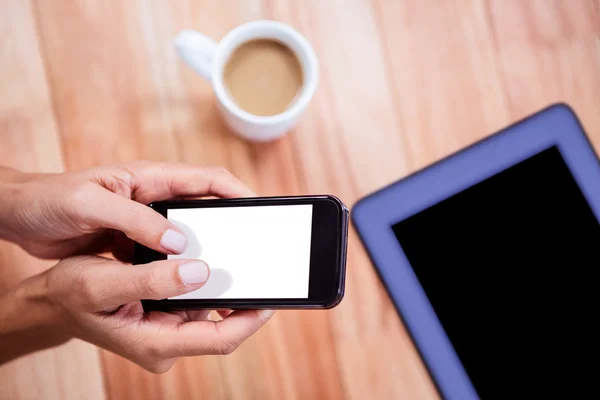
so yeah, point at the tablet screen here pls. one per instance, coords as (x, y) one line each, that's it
(509, 266)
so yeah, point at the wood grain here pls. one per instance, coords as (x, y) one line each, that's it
(403, 84)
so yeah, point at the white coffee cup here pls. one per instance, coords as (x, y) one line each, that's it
(208, 58)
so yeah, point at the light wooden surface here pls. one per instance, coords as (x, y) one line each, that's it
(403, 83)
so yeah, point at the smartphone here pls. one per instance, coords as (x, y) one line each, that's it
(263, 252)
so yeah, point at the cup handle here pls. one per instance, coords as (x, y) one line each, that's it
(197, 50)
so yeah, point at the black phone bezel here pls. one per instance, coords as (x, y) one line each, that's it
(329, 234)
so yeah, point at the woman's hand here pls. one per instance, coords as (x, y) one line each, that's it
(59, 215)
(97, 300)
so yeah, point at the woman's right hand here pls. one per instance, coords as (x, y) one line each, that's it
(98, 300)
(91, 211)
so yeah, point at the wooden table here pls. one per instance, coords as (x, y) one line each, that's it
(403, 83)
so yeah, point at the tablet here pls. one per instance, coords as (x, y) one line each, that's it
(491, 258)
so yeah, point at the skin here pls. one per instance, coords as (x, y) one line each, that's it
(74, 217)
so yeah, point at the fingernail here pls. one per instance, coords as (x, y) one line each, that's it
(266, 314)
(174, 241)
(194, 272)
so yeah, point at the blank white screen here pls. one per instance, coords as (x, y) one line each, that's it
(253, 252)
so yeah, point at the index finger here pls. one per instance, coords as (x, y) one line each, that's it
(163, 181)
(196, 338)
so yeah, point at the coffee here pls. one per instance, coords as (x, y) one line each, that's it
(263, 77)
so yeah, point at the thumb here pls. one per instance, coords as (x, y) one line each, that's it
(117, 284)
(138, 222)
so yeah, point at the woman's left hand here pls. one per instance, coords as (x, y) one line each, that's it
(59, 215)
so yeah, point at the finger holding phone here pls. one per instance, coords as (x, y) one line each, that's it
(98, 299)
(58, 215)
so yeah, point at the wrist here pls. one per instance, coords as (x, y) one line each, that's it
(29, 320)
